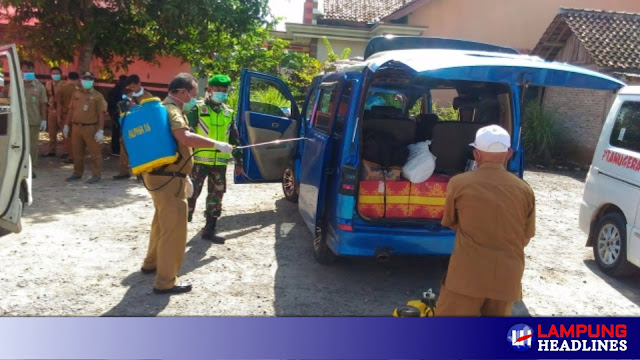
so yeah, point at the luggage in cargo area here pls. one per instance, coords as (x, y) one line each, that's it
(384, 194)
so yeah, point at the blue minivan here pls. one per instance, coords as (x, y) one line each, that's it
(393, 91)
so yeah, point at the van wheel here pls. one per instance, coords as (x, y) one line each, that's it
(610, 246)
(321, 251)
(289, 187)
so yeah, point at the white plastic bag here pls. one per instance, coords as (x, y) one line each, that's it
(421, 163)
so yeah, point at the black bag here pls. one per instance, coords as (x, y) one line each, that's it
(384, 149)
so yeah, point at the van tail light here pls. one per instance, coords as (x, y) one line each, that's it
(345, 227)
(348, 180)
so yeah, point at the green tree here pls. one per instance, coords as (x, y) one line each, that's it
(119, 31)
(332, 57)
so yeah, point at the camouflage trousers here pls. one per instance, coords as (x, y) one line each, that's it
(216, 186)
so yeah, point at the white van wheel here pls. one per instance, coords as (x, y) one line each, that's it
(289, 187)
(610, 246)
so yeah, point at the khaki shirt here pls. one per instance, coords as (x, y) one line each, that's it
(53, 88)
(493, 213)
(86, 106)
(34, 95)
(178, 120)
(63, 97)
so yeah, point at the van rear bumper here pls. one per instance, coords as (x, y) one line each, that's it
(365, 243)
(586, 216)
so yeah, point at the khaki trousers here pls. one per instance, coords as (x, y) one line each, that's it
(53, 128)
(454, 304)
(83, 137)
(168, 238)
(34, 139)
(124, 160)
(66, 144)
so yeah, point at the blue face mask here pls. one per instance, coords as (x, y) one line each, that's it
(87, 84)
(29, 76)
(219, 97)
(186, 107)
(56, 77)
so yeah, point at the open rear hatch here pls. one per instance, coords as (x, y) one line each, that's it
(444, 97)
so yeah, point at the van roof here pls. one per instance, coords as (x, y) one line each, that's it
(390, 43)
(630, 90)
(492, 67)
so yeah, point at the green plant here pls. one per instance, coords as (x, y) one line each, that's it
(270, 95)
(417, 108)
(332, 57)
(539, 133)
(445, 113)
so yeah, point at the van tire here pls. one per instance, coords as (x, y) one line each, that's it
(289, 185)
(610, 246)
(321, 251)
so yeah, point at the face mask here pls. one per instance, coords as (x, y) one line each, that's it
(29, 76)
(186, 107)
(87, 84)
(56, 77)
(139, 93)
(219, 97)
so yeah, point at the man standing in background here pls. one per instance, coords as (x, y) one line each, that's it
(64, 100)
(36, 100)
(137, 94)
(53, 88)
(86, 116)
(113, 98)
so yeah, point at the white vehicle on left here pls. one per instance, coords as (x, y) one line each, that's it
(15, 162)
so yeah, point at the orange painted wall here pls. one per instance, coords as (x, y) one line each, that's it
(515, 23)
(151, 74)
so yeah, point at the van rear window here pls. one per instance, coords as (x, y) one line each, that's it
(626, 130)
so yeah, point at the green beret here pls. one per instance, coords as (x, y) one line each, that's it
(219, 80)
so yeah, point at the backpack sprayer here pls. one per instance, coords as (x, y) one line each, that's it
(424, 307)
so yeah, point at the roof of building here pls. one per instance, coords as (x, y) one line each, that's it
(363, 11)
(611, 38)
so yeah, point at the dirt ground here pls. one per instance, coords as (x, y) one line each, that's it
(81, 248)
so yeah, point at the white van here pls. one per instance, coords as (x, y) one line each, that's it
(609, 210)
(15, 162)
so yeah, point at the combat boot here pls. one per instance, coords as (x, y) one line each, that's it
(209, 231)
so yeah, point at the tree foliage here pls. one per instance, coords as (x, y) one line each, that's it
(213, 36)
(120, 31)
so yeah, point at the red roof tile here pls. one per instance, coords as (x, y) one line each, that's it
(611, 38)
(362, 11)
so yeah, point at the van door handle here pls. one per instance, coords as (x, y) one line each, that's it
(275, 125)
(15, 146)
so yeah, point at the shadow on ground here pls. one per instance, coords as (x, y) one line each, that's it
(629, 286)
(141, 285)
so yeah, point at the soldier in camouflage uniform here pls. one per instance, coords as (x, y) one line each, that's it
(213, 119)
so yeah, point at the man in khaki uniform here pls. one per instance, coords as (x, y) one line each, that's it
(137, 94)
(53, 88)
(63, 98)
(36, 98)
(86, 116)
(493, 214)
(170, 186)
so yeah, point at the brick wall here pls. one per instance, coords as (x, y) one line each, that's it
(580, 115)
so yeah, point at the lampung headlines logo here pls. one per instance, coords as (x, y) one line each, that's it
(520, 337)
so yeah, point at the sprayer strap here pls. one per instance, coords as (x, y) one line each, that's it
(168, 173)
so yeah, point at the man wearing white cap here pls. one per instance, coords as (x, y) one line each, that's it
(493, 214)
